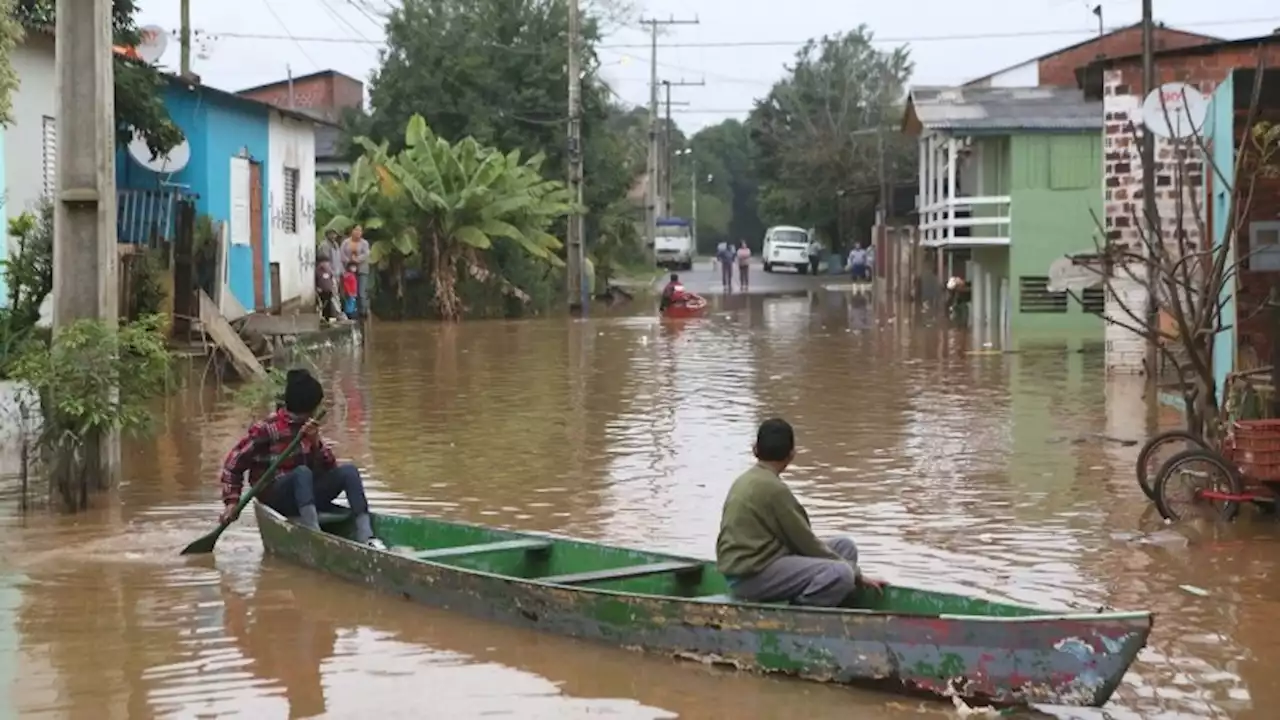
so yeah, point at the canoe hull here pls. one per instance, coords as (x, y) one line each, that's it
(1061, 660)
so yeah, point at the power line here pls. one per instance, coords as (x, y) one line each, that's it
(295, 40)
(780, 43)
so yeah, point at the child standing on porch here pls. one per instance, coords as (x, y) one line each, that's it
(351, 289)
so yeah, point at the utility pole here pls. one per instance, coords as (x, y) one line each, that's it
(668, 154)
(693, 200)
(577, 290)
(184, 38)
(1151, 228)
(654, 202)
(84, 226)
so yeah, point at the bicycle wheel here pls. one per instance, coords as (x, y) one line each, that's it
(1157, 450)
(1179, 484)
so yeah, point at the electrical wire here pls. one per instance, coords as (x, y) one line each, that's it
(285, 27)
(959, 37)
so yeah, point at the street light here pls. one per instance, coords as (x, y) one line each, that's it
(693, 193)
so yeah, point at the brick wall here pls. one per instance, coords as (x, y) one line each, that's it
(1059, 69)
(1122, 161)
(322, 92)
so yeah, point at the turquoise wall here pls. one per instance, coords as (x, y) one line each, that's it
(217, 128)
(1222, 134)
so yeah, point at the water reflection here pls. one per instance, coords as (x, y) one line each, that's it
(955, 467)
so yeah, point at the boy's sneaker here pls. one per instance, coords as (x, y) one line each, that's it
(376, 544)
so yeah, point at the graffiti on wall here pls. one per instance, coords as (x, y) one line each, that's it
(279, 213)
(306, 257)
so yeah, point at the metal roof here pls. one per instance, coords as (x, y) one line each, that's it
(977, 109)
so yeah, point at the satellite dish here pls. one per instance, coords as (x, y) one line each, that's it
(172, 162)
(1175, 111)
(153, 43)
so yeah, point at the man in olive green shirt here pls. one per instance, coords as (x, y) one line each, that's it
(767, 549)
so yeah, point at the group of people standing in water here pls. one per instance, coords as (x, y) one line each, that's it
(730, 256)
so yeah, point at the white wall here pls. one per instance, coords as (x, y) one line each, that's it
(1024, 75)
(292, 144)
(35, 99)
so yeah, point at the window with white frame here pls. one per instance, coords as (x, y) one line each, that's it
(49, 155)
(290, 210)
(1264, 246)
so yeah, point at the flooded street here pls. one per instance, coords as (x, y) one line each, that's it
(953, 468)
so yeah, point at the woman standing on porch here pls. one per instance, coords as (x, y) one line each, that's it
(355, 249)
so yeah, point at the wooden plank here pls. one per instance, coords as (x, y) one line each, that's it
(528, 545)
(333, 518)
(220, 331)
(622, 573)
(270, 325)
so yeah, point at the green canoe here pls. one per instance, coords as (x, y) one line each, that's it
(904, 639)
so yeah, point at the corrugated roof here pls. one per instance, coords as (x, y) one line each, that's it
(956, 109)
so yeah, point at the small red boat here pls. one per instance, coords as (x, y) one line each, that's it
(694, 307)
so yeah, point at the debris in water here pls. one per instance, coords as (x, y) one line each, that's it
(1194, 590)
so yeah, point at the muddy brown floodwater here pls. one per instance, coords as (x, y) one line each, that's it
(954, 469)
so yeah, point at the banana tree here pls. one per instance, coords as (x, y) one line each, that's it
(466, 197)
(369, 197)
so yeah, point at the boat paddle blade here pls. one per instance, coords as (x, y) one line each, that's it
(205, 544)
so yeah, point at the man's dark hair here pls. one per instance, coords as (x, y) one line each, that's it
(675, 277)
(775, 440)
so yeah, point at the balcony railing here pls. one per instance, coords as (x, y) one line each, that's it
(964, 222)
(146, 217)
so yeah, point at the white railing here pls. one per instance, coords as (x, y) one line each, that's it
(939, 221)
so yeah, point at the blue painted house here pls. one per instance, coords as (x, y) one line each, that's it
(251, 169)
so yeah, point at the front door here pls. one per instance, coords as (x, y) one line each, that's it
(255, 236)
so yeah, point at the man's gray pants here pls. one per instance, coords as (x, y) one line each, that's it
(816, 582)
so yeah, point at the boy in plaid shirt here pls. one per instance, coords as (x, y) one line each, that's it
(310, 479)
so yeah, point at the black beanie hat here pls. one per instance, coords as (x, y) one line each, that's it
(302, 392)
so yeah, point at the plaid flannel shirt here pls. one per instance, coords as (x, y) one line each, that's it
(265, 441)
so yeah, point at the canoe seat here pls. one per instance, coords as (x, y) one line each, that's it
(622, 573)
(333, 518)
(526, 544)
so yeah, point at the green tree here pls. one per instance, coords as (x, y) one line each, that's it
(726, 151)
(815, 133)
(139, 87)
(494, 70)
(467, 199)
(10, 35)
(369, 197)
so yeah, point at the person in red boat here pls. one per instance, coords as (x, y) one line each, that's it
(674, 294)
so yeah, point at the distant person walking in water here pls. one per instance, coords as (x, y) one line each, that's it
(744, 265)
(726, 256)
(858, 264)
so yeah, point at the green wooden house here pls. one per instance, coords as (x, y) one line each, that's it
(1010, 181)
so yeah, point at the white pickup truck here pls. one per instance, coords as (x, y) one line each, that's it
(673, 244)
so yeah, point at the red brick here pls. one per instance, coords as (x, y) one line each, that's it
(1060, 68)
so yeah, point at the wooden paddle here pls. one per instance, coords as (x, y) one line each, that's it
(204, 545)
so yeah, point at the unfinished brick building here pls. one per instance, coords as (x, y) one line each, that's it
(1117, 81)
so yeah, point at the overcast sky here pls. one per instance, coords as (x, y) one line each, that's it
(739, 47)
